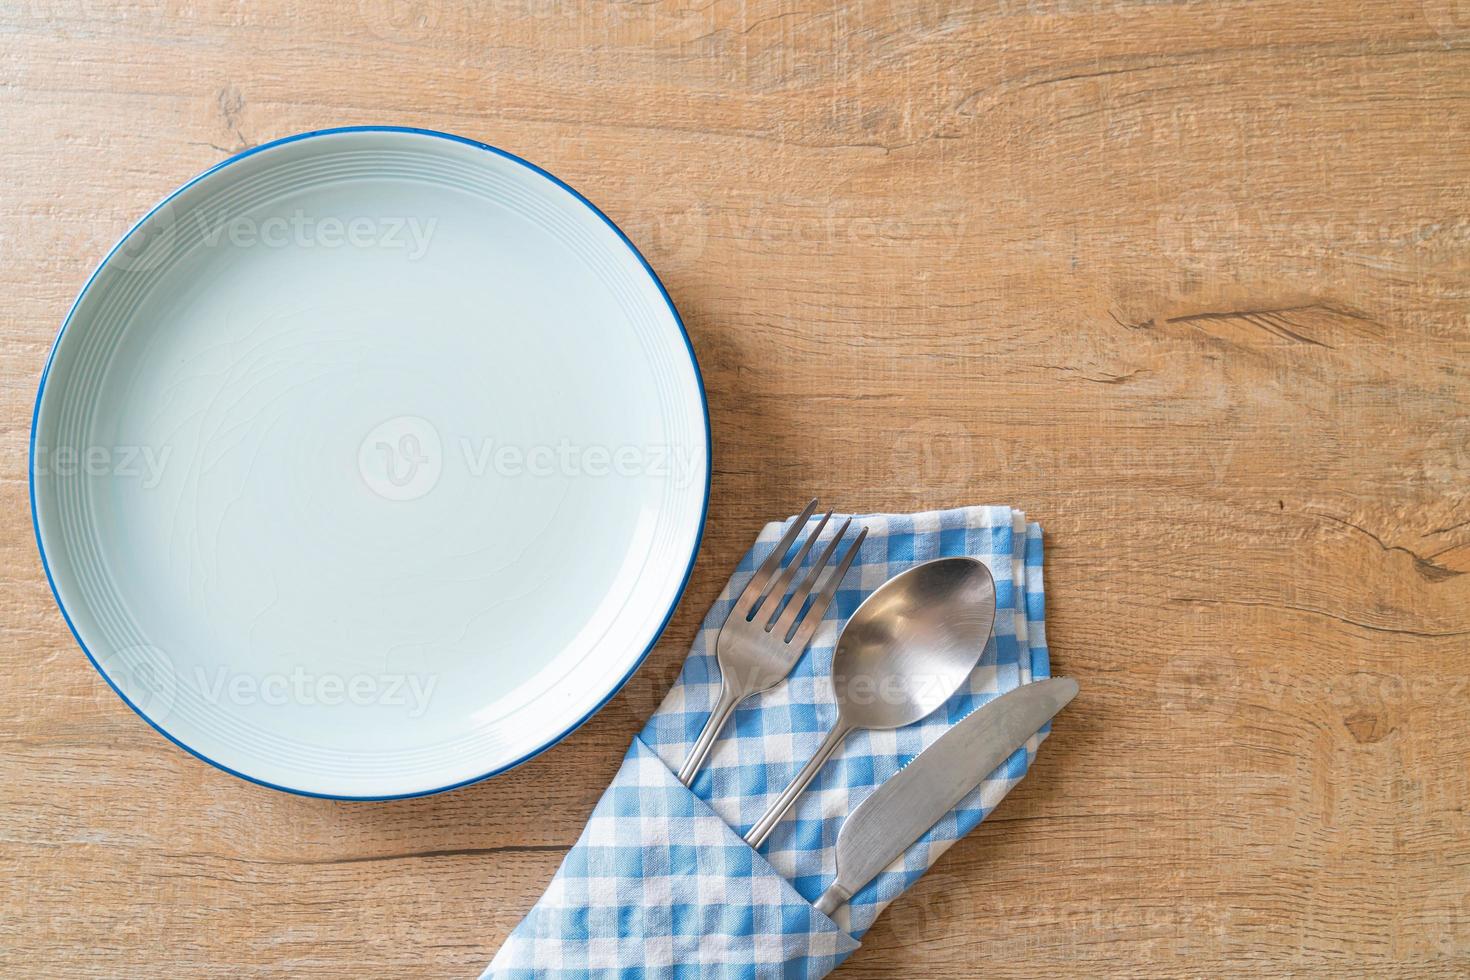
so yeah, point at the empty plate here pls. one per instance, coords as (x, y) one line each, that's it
(370, 463)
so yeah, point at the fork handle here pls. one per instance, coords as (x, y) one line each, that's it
(724, 707)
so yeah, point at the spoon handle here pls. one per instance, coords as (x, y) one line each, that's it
(719, 714)
(757, 835)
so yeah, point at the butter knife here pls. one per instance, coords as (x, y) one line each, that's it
(912, 800)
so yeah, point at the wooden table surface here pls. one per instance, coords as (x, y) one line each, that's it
(1188, 282)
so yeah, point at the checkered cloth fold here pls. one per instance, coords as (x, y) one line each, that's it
(660, 883)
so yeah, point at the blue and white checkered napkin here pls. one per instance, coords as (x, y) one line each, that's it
(661, 883)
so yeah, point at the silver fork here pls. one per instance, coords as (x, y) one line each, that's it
(761, 639)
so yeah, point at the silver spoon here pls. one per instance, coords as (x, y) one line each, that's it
(905, 651)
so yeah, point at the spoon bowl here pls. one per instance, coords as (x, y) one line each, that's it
(905, 651)
(912, 643)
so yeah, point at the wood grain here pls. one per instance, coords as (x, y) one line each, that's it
(1188, 282)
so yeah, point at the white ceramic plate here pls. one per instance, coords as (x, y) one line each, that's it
(370, 463)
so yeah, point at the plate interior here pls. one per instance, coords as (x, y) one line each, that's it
(370, 463)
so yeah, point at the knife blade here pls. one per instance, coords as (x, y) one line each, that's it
(912, 800)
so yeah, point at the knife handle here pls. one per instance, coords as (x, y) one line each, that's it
(833, 899)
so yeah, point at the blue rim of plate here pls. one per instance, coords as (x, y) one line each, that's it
(693, 362)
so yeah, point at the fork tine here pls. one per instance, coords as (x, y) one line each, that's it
(813, 618)
(778, 587)
(755, 589)
(798, 598)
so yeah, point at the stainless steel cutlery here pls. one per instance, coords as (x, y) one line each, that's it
(905, 806)
(762, 639)
(905, 651)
